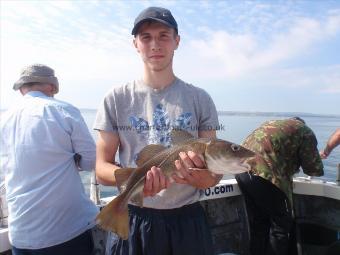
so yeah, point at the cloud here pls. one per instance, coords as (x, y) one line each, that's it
(239, 54)
(332, 89)
(89, 45)
(330, 80)
(78, 67)
(321, 79)
(85, 51)
(333, 24)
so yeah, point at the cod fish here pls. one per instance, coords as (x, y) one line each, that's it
(221, 157)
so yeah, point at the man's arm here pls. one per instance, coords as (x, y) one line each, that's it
(106, 149)
(332, 142)
(83, 144)
(107, 146)
(193, 168)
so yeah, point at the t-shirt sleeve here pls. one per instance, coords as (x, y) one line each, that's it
(208, 118)
(311, 162)
(106, 117)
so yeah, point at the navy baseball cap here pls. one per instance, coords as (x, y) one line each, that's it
(158, 14)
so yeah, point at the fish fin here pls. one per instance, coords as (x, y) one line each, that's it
(148, 152)
(115, 217)
(180, 136)
(121, 176)
(138, 199)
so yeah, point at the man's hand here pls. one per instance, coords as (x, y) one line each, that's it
(155, 181)
(192, 170)
(323, 154)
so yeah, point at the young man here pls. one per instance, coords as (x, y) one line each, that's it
(143, 112)
(283, 147)
(44, 142)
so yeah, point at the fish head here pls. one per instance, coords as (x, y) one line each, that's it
(223, 157)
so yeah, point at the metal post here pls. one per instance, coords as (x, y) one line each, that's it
(3, 207)
(1, 214)
(94, 189)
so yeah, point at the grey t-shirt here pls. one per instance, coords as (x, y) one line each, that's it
(142, 115)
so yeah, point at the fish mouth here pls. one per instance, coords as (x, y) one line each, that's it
(244, 165)
(229, 166)
(248, 162)
(247, 166)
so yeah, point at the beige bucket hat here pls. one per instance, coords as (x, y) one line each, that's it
(36, 73)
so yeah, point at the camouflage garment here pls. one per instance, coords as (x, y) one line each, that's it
(285, 145)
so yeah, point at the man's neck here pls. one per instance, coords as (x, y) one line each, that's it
(37, 88)
(158, 79)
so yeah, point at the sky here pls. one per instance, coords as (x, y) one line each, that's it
(266, 56)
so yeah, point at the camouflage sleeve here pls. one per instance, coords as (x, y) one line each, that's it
(310, 160)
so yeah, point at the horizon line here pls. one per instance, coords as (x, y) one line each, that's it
(254, 113)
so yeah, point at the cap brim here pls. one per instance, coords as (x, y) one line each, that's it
(137, 26)
(28, 79)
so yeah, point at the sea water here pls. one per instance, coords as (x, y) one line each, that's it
(236, 126)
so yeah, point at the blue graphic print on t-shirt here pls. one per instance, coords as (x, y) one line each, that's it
(159, 131)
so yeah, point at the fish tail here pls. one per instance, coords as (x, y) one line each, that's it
(115, 217)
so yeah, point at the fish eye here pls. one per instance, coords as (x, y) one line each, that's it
(235, 147)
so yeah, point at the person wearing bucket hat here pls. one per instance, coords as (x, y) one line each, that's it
(44, 142)
(37, 73)
(143, 112)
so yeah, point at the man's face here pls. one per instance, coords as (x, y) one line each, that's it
(156, 44)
